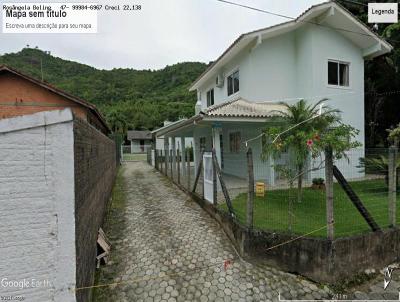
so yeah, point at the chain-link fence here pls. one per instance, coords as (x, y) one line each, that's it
(289, 197)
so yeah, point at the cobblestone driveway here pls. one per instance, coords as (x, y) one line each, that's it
(166, 248)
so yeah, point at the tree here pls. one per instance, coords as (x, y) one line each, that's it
(303, 131)
(305, 124)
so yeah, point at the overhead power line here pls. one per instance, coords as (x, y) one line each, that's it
(303, 21)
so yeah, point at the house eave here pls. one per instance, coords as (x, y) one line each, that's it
(178, 126)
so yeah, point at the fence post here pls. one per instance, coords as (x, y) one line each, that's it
(166, 158)
(199, 167)
(392, 182)
(250, 194)
(161, 164)
(178, 166)
(188, 168)
(171, 163)
(329, 192)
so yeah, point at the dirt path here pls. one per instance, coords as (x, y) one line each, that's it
(166, 248)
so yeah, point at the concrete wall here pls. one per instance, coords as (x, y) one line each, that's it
(37, 205)
(95, 170)
(56, 177)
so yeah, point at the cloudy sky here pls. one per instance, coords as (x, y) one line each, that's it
(164, 32)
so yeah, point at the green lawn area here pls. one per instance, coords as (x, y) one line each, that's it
(135, 157)
(271, 211)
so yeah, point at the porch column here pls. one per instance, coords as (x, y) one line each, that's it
(166, 153)
(183, 156)
(173, 143)
(131, 146)
(217, 144)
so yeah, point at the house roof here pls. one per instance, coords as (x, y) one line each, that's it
(134, 134)
(239, 110)
(90, 106)
(166, 127)
(345, 23)
(244, 108)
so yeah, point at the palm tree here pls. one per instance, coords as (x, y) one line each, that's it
(305, 123)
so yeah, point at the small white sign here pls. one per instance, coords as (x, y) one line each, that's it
(383, 12)
(49, 18)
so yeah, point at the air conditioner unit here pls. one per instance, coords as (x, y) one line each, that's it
(219, 81)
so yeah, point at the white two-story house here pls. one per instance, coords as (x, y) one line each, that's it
(318, 55)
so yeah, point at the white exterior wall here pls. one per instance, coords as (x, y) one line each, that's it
(236, 163)
(37, 206)
(293, 66)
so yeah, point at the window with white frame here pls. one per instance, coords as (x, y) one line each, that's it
(338, 73)
(233, 83)
(234, 142)
(210, 97)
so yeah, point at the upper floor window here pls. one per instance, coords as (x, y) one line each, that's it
(233, 83)
(210, 97)
(338, 73)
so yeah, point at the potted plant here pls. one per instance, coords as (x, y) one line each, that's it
(318, 184)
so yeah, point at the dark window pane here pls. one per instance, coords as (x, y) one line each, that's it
(210, 97)
(236, 81)
(230, 88)
(344, 74)
(333, 73)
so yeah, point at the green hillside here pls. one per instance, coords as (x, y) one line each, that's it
(129, 99)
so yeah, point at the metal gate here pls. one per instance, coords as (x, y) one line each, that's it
(208, 176)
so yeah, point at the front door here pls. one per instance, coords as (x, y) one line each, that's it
(208, 176)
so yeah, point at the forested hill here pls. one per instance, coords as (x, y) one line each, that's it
(128, 98)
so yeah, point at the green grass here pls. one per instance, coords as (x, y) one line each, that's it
(135, 157)
(309, 216)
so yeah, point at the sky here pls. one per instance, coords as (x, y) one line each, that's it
(163, 33)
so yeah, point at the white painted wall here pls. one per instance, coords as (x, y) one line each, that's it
(37, 205)
(294, 66)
